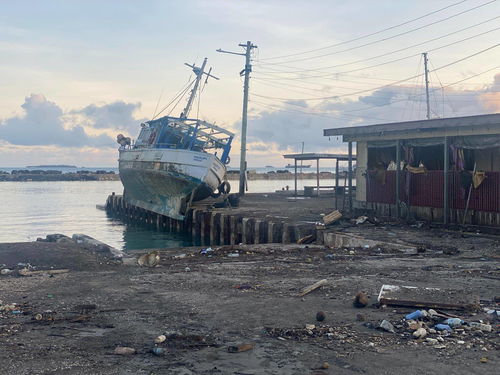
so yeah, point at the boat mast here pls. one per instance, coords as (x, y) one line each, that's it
(199, 75)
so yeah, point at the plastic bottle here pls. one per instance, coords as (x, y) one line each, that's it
(454, 322)
(415, 315)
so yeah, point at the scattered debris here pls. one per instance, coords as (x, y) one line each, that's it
(27, 272)
(332, 217)
(420, 333)
(160, 339)
(426, 297)
(361, 300)
(361, 220)
(320, 316)
(306, 240)
(240, 348)
(151, 259)
(124, 350)
(386, 326)
(313, 287)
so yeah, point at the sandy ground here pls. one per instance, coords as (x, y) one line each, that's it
(205, 304)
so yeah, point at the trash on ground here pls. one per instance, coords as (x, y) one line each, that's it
(240, 348)
(124, 350)
(150, 259)
(361, 220)
(306, 239)
(313, 287)
(360, 300)
(332, 217)
(320, 316)
(160, 339)
(27, 272)
(386, 326)
(413, 296)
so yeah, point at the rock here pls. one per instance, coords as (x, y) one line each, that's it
(38, 317)
(360, 300)
(325, 365)
(6, 271)
(440, 338)
(310, 327)
(386, 326)
(124, 350)
(483, 360)
(160, 339)
(420, 333)
(320, 316)
(150, 259)
(431, 340)
(460, 342)
(157, 351)
(360, 317)
(97, 246)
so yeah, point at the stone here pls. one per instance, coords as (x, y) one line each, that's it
(386, 326)
(124, 350)
(420, 333)
(320, 316)
(360, 300)
(160, 339)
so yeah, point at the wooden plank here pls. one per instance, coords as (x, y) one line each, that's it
(433, 298)
(332, 217)
(313, 287)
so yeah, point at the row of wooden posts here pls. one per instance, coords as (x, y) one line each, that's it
(214, 227)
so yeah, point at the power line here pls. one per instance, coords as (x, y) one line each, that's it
(303, 76)
(391, 52)
(367, 35)
(383, 86)
(393, 36)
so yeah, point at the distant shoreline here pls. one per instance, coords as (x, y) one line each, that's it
(103, 176)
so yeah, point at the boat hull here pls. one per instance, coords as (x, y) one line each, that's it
(162, 180)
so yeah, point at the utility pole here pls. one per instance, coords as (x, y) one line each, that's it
(427, 86)
(248, 68)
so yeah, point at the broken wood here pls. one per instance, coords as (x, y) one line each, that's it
(306, 239)
(432, 298)
(332, 217)
(313, 287)
(27, 272)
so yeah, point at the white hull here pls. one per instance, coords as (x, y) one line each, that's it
(161, 180)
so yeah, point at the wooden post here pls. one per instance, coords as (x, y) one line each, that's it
(295, 180)
(446, 158)
(336, 181)
(398, 182)
(225, 229)
(215, 228)
(350, 175)
(317, 175)
(248, 228)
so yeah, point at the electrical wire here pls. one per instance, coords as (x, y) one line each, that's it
(392, 52)
(367, 35)
(393, 36)
(383, 86)
(379, 64)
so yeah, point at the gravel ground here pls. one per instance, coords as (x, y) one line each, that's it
(205, 304)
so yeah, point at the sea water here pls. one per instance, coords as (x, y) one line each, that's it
(33, 209)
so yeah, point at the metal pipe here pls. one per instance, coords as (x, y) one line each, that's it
(317, 175)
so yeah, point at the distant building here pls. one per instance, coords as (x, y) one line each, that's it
(436, 160)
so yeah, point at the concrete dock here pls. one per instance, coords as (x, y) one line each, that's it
(259, 218)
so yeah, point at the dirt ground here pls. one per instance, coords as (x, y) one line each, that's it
(204, 304)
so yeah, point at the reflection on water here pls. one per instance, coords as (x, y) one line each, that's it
(34, 209)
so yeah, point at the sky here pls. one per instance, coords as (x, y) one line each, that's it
(76, 73)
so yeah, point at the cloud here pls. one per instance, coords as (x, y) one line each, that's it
(291, 123)
(42, 124)
(117, 115)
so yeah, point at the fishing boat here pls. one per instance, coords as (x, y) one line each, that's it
(175, 160)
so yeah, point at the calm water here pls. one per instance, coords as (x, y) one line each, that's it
(35, 209)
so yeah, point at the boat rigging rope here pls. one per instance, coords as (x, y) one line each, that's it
(179, 95)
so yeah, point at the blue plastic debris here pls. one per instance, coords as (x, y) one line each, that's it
(415, 315)
(206, 251)
(454, 322)
(443, 327)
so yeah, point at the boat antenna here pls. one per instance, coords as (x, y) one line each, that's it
(199, 72)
